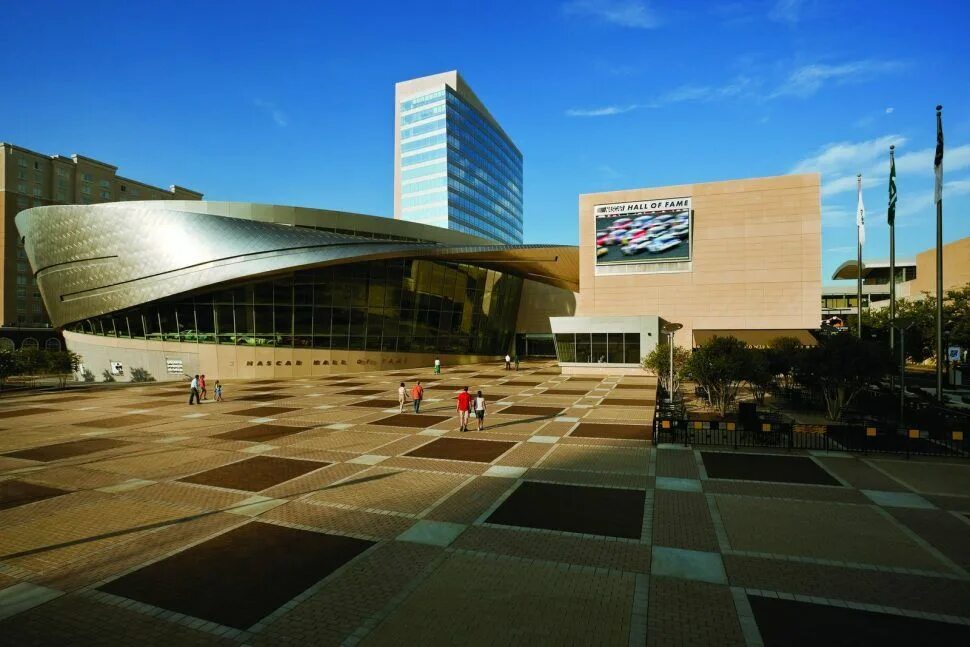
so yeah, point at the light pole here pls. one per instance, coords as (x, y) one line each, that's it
(669, 329)
(902, 324)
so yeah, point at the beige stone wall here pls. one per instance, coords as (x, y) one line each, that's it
(956, 268)
(217, 361)
(756, 258)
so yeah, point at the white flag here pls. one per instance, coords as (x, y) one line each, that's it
(860, 218)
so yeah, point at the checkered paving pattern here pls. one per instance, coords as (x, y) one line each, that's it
(127, 516)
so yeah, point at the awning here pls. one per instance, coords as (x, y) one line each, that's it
(756, 338)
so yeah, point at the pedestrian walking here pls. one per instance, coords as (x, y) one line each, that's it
(480, 410)
(218, 392)
(402, 396)
(508, 362)
(194, 390)
(417, 394)
(463, 406)
(437, 366)
(202, 390)
(516, 361)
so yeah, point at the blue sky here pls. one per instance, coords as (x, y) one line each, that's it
(292, 102)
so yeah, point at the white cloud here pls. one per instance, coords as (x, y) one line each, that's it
(889, 110)
(808, 79)
(841, 157)
(278, 116)
(787, 11)
(625, 13)
(837, 216)
(604, 111)
(845, 249)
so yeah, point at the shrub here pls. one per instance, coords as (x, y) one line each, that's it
(87, 375)
(658, 361)
(107, 376)
(141, 375)
(841, 367)
(720, 365)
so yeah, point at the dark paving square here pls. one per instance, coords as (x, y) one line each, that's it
(363, 392)
(605, 430)
(157, 404)
(241, 576)
(264, 397)
(343, 384)
(488, 376)
(16, 413)
(377, 404)
(460, 449)
(790, 622)
(576, 392)
(60, 451)
(67, 398)
(261, 433)
(627, 402)
(522, 383)
(255, 474)
(527, 410)
(634, 386)
(118, 421)
(449, 387)
(262, 412)
(16, 493)
(609, 512)
(415, 420)
(766, 467)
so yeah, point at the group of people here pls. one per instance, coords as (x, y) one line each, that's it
(465, 403)
(198, 391)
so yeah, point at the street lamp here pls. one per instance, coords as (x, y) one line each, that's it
(669, 329)
(902, 325)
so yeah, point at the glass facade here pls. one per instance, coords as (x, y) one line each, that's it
(457, 170)
(599, 348)
(399, 305)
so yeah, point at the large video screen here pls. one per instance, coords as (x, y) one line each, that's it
(649, 231)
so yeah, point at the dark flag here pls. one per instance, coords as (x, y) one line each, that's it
(938, 160)
(892, 189)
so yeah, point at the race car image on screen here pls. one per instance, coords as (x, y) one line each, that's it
(645, 232)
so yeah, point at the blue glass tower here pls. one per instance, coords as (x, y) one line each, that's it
(454, 166)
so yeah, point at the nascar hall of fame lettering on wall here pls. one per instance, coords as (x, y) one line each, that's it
(645, 231)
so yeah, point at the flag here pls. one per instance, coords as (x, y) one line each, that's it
(892, 189)
(860, 218)
(938, 161)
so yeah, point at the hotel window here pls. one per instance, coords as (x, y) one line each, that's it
(21, 279)
(22, 267)
(62, 172)
(21, 187)
(61, 195)
(21, 175)
(86, 190)
(21, 162)
(86, 177)
(37, 190)
(104, 184)
(36, 166)
(21, 292)
(106, 195)
(21, 253)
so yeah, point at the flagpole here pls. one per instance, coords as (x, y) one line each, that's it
(892, 264)
(891, 209)
(858, 235)
(939, 257)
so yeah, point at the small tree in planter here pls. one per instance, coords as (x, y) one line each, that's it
(62, 364)
(107, 376)
(9, 366)
(141, 375)
(658, 361)
(720, 365)
(841, 367)
(783, 354)
(759, 375)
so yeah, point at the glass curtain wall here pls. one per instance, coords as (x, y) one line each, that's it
(599, 348)
(398, 305)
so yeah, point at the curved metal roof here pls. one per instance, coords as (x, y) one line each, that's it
(90, 260)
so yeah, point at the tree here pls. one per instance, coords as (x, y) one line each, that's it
(141, 375)
(9, 366)
(782, 357)
(921, 335)
(841, 367)
(658, 361)
(61, 363)
(720, 365)
(759, 374)
(107, 376)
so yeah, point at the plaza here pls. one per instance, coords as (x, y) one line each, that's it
(308, 510)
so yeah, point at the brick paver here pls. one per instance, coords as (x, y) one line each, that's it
(123, 507)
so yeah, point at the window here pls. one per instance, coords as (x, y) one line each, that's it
(123, 188)
(21, 187)
(86, 177)
(21, 175)
(21, 162)
(21, 292)
(62, 172)
(22, 267)
(106, 195)
(21, 279)
(36, 166)
(37, 190)
(86, 190)
(104, 184)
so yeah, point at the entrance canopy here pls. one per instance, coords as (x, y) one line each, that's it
(756, 338)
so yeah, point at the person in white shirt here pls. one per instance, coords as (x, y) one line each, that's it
(437, 366)
(402, 396)
(480, 410)
(508, 362)
(194, 391)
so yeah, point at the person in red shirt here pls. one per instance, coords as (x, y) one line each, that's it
(417, 394)
(464, 407)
